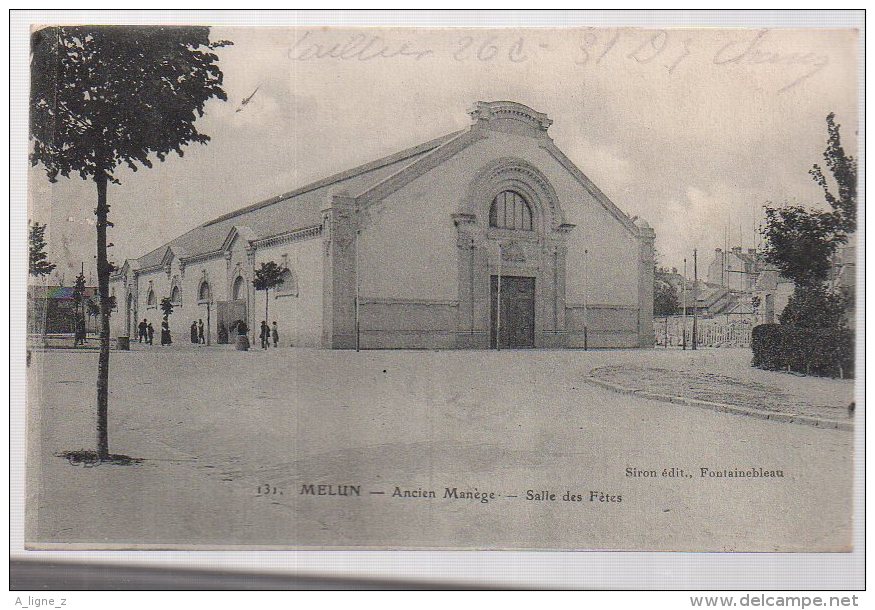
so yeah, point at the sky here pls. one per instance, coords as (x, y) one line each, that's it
(692, 130)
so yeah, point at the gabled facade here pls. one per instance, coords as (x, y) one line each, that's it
(487, 237)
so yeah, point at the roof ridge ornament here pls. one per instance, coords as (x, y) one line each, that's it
(486, 112)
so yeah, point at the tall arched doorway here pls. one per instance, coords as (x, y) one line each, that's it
(230, 313)
(129, 314)
(512, 246)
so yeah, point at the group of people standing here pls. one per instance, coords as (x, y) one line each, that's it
(197, 332)
(146, 333)
(268, 333)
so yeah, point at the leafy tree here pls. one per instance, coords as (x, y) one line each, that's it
(801, 242)
(268, 275)
(39, 264)
(79, 293)
(166, 307)
(103, 97)
(843, 169)
(93, 307)
(665, 299)
(816, 307)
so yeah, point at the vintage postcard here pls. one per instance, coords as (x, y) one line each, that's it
(396, 288)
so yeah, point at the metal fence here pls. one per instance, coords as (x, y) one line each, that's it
(669, 332)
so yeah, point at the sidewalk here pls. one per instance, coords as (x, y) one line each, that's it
(724, 380)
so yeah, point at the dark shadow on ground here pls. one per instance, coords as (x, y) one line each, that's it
(83, 457)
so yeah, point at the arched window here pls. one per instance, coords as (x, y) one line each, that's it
(510, 210)
(289, 285)
(174, 296)
(239, 290)
(150, 299)
(203, 293)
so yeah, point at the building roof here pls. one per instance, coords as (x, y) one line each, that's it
(58, 293)
(301, 208)
(296, 209)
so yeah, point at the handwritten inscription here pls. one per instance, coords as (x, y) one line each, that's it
(668, 51)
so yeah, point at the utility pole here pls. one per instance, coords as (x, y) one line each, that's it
(357, 326)
(498, 303)
(585, 298)
(695, 297)
(684, 292)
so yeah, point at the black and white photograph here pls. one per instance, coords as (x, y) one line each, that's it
(582, 288)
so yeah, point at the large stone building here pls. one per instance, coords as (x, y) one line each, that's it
(417, 250)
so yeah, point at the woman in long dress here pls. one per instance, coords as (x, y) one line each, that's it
(165, 333)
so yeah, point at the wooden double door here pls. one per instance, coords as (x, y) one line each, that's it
(516, 303)
(228, 313)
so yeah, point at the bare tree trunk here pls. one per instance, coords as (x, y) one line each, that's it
(103, 272)
(266, 293)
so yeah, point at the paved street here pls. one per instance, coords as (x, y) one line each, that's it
(229, 440)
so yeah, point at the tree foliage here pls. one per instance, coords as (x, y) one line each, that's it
(267, 276)
(843, 169)
(39, 264)
(79, 291)
(166, 307)
(665, 299)
(93, 308)
(105, 96)
(815, 307)
(801, 242)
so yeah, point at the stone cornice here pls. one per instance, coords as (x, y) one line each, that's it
(289, 236)
(485, 112)
(196, 258)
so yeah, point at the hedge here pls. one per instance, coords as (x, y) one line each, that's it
(813, 351)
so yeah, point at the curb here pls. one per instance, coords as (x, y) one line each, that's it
(789, 418)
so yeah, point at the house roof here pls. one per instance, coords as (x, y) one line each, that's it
(296, 209)
(58, 293)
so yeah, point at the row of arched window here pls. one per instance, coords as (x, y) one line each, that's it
(289, 286)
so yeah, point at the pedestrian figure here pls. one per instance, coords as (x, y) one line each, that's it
(275, 333)
(193, 331)
(150, 333)
(222, 332)
(200, 332)
(142, 337)
(80, 332)
(265, 335)
(165, 333)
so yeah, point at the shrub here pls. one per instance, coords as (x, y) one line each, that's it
(813, 351)
(816, 307)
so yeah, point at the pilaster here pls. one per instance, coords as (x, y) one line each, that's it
(646, 254)
(339, 265)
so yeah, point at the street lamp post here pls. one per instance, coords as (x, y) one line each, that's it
(684, 292)
(585, 299)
